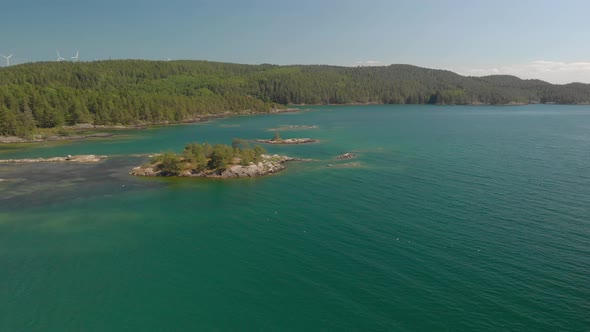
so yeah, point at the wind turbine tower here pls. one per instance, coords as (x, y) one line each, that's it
(77, 57)
(59, 57)
(7, 59)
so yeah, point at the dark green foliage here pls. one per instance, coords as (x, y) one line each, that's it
(247, 157)
(239, 144)
(52, 94)
(170, 164)
(196, 154)
(221, 156)
(258, 151)
(200, 157)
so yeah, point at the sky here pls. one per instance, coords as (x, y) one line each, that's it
(540, 39)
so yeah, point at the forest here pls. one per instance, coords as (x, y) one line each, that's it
(139, 92)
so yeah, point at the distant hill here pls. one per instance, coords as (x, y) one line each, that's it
(52, 94)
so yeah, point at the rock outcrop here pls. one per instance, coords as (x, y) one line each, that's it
(38, 138)
(347, 155)
(270, 164)
(287, 141)
(294, 127)
(74, 159)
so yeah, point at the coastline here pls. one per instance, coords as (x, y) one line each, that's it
(287, 141)
(17, 140)
(91, 127)
(208, 117)
(512, 103)
(90, 158)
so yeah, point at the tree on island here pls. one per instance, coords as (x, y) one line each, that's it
(239, 144)
(196, 154)
(221, 156)
(170, 164)
(277, 137)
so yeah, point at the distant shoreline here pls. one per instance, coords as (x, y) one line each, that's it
(92, 129)
(81, 129)
(470, 104)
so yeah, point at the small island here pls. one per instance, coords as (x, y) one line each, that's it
(346, 155)
(277, 139)
(293, 127)
(90, 158)
(219, 161)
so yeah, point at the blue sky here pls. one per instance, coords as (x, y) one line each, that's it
(542, 39)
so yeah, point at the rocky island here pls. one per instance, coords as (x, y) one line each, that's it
(74, 159)
(294, 127)
(219, 161)
(277, 139)
(346, 155)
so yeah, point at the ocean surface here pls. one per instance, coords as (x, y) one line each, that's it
(450, 219)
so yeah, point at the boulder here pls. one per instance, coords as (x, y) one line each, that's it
(347, 155)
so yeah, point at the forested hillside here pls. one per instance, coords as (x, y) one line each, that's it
(52, 94)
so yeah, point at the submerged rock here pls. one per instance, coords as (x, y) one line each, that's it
(347, 155)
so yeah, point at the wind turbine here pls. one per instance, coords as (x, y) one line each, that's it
(77, 57)
(7, 59)
(59, 58)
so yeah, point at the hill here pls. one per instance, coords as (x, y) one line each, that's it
(125, 92)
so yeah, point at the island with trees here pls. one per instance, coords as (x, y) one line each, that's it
(277, 139)
(214, 161)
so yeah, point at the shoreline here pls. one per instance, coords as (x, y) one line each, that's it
(91, 127)
(288, 141)
(89, 158)
(512, 103)
(18, 140)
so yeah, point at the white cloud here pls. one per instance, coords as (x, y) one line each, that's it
(550, 71)
(369, 63)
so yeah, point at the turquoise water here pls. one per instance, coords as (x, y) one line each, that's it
(450, 219)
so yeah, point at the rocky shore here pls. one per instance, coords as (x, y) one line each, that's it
(270, 164)
(38, 139)
(76, 135)
(287, 141)
(73, 159)
(293, 127)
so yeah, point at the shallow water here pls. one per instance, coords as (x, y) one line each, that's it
(451, 218)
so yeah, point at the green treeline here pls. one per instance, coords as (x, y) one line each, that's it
(128, 92)
(198, 158)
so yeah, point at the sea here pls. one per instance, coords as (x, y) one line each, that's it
(449, 218)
